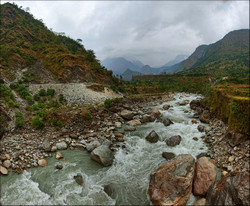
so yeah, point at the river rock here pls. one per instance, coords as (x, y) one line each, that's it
(129, 128)
(155, 114)
(127, 114)
(166, 106)
(235, 139)
(78, 178)
(194, 104)
(205, 176)
(134, 122)
(108, 189)
(184, 102)
(167, 122)
(102, 155)
(61, 145)
(152, 137)
(59, 166)
(205, 117)
(92, 145)
(3, 170)
(168, 155)
(195, 138)
(53, 148)
(46, 146)
(201, 128)
(7, 163)
(42, 163)
(59, 155)
(146, 118)
(118, 124)
(200, 202)
(232, 190)
(174, 140)
(171, 183)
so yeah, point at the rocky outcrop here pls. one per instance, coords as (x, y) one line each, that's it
(171, 183)
(205, 176)
(102, 155)
(152, 137)
(233, 190)
(127, 114)
(167, 122)
(174, 140)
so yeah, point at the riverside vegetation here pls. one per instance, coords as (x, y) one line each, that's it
(36, 123)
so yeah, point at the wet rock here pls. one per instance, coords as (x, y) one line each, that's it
(204, 154)
(155, 114)
(61, 145)
(195, 138)
(205, 117)
(118, 124)
(194, 104)
(168, 155)
(171, 183)
(201, 128)
(167, 122)
(174, 140)
(108, 189)
(102, 155)
(166, 106)
(232, 190)
(146, 118)
(205, 176)
(92, 145)
(194, 121)
(129, 128)
(59, 166)
(53, 148)
(127, 114)
(78, 178)
(3, 170)
(42, 163)
(7, 163)
(134, 122)
(59, 155)
(2, 130)
(152, 137)
(200, 202)
(183, 103)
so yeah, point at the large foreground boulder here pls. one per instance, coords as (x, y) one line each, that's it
(205, 176)
(102, 155)
(152, 137)
(171, 183)
(174, 140)
(233, 190)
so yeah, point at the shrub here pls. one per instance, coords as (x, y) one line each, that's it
(42, 92)
(19, 122)
(107, 103)
(37, 122)
(11, 103)
(61, 98)
(50, 92)
(18, 113)
(56, 123)
(36, 97)
(29, 99)
(53, 103)
(85, 114)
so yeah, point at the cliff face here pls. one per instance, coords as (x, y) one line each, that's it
(27, 43)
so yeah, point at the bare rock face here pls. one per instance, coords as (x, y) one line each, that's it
(171, 183)
(233, 190)
(205, 176)
(126, 114)
(102, 155)
(174, 140)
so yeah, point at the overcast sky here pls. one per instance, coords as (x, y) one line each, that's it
(153, 32)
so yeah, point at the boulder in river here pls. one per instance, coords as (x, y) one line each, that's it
(134, 122)
(152, 137)
(146, 118)
(102, 155)
(108, 189)
(171, 183)
(42, 163)
(167, 122)
(184, 102)
(61, 145)
(59, 155)
(205, 176)
(168, 155)
(232, 190)
(205, 117)
(3, 170)
(59, 166)
(194, 104)
(166, 106)
(92, 145)
(130, 128)
(155, 114)
(78, 178)
(201, 128)
(127, 114)
(174, 140)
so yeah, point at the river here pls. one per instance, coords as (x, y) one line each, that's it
(128, 176)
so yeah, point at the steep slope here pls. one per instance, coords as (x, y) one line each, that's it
(119, 65)
(128, 74)
(228, 56)
(27, 43)
(176, 60)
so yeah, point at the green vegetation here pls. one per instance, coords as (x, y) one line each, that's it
(107, 103)
(50, 92)
(42, 93)
(19, 122)
(37, 122)
(85, 114)
(56, 123)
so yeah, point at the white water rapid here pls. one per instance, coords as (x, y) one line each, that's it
(128, 176)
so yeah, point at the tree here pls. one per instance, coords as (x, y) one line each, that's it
(79, 40)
